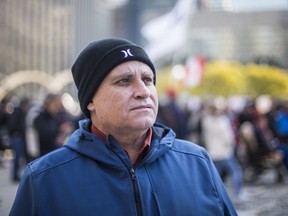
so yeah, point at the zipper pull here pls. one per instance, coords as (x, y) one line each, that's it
(132, 172)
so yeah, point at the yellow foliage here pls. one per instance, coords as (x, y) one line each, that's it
(162, 80)
(221, 78)
(228, 78)
(266, 80)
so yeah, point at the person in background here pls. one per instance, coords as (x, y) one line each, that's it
(259, 136)
(281, 128)
(33, 148)
(17, 130)
(219, 141)
(172, 115)
(4, 133)
(51, 125)
(120, 161)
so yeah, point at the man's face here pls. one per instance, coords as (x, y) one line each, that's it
(126, 100)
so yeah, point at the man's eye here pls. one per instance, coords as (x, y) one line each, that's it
(148, 80)
(123, 81)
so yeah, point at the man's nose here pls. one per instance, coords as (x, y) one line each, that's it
(141, 90)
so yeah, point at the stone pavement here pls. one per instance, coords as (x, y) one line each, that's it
(7, 188)
(264, 198)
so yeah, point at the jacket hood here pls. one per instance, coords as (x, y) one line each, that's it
(85, 143)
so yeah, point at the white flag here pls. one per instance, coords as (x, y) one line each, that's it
(167, 33)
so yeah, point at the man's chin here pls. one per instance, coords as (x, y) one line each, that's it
(144, 123)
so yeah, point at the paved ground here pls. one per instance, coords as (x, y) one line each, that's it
(264, 198)
(7, 189)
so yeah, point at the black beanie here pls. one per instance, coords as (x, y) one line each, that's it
(97, 60)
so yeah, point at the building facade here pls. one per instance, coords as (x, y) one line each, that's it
(242, 36)
(40, 39)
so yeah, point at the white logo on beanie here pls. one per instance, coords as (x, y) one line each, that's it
(127, 53)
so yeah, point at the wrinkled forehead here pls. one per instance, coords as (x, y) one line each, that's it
(131, 67)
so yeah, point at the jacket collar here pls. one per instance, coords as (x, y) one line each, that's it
(85, 143)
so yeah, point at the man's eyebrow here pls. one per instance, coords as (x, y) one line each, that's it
(147, 73)
(123, 75)
(130, 74)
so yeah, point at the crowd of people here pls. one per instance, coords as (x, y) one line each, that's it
(31, 129)
(242, 142)
(248, 140)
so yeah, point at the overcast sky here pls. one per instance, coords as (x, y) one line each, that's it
(252, 5)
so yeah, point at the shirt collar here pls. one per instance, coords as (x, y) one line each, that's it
(142, 152)
(98, 133)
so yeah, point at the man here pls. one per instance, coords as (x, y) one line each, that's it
(120, 162)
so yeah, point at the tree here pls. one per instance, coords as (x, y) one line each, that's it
(263, 79)
(221, 78)
(229, 78)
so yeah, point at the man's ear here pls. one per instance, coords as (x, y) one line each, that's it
(90, 106)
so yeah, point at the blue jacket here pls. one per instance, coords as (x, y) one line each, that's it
(88, 177)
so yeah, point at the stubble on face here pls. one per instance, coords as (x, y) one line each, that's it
(126, 100)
